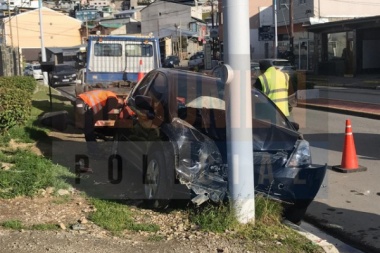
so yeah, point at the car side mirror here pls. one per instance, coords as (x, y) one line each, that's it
(143, 102)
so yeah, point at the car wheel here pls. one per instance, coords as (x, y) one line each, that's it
(157, 184)
(296, 212)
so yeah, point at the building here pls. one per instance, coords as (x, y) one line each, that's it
(306, 13)
(179, 26)
(311, 18)
(18, 4)
(346, 47)
(23, 31)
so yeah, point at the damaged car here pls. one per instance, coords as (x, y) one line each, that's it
(174, 132)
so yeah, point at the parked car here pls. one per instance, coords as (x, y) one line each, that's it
(255, 71)
(177, 137)
(196, 60)
(34, 70)
(171, 61)
(281, 64)
(62, 74)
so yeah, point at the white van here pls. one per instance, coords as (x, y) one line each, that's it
(36, 72)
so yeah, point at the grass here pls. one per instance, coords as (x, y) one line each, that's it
(117, 217)
(60, 200)
(31, 173)
(267, 232)
(17, 225)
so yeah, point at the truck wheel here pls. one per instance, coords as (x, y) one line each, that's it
(157, 183)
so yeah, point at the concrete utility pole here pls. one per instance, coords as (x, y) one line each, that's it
(10, 24)
(237, 72)
(43, 52)
(291, 39)
(275, 46)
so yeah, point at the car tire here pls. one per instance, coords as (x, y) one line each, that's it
(157, 182)
(296, 212)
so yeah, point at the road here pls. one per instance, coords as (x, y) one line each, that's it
(348, 204)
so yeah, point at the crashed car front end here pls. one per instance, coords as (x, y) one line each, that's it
(283, 172)
(199, 163)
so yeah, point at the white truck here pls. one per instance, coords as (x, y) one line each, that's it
(117, 61)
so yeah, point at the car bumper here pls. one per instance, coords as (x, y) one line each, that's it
(67, 81)
(293, 185)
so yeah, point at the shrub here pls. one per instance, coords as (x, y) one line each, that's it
(26, 83)
(15, 100)
(15, 107)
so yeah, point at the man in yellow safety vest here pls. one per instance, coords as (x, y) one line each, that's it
(275, 84)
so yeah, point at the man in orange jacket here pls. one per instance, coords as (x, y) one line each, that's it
(92, 106)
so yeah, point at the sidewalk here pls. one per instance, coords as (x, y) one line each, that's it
(340, 106)
(367, 82)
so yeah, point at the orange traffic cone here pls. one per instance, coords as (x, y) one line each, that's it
(349, 159)
(140, 75)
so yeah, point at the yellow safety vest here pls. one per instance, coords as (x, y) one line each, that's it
(275, 85)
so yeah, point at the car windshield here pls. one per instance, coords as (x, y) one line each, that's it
(282, 63)
(209, 93)
(60, 68)
(36, 67)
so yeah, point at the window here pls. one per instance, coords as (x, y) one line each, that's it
(302, 2)
(141, 88)
(138, 50)
(103, 49)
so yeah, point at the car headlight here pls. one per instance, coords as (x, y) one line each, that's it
(301, 155)
(74, 75)
(55, 76)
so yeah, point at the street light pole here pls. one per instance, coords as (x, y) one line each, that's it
(291, 39)
(43, 52)
(10, 24)
(212, 26)
(275, 46)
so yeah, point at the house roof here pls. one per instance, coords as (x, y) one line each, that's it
(199, 20)
(5, 19)
(346, 25)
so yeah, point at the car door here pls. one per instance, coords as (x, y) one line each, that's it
(145, 127)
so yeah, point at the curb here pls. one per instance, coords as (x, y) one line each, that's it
(338, 110)
(325, 245)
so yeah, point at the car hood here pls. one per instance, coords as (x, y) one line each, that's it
(63, 72)
(202, 156)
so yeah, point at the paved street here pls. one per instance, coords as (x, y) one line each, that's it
(348, 204)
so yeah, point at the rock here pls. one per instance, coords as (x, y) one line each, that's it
(78, 227)
(49, 190)
(83, 220)
(62, 226)
(62, 192)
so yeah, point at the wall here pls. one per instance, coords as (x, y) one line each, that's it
(160, 14)
(59, 30)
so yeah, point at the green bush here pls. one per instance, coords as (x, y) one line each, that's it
(15, 100)
(15, 107)
(26, 83)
